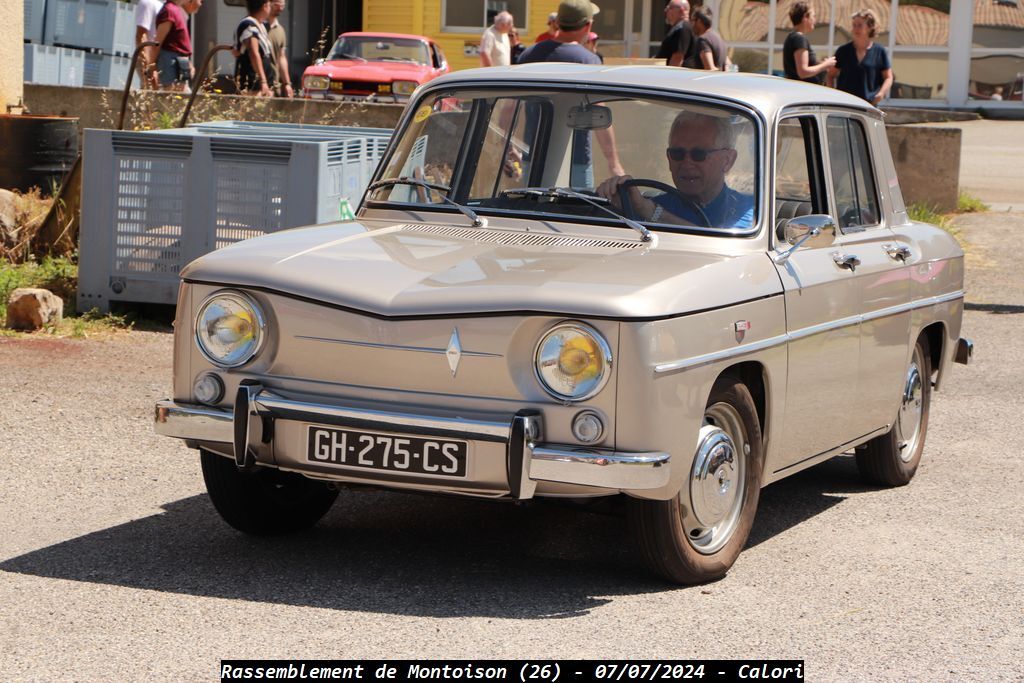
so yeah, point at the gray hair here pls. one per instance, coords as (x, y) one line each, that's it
(503, 18)
(725, 133)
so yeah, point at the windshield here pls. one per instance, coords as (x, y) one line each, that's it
(373, 48)
(668, 163)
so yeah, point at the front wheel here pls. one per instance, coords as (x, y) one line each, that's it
(697, 536)
(892, 458)
(264, 501)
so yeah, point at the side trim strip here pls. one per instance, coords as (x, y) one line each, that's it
(715, 356)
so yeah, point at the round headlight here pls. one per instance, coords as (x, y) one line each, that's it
(573, 362)
(403, 87)
(316, 83)
(229, 329)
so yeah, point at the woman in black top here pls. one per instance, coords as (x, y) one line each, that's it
(862, 66)
(798, 58)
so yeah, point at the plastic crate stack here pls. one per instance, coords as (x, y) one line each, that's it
(159, 199)
(79, 42)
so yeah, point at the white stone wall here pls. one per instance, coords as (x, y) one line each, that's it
(12, 56)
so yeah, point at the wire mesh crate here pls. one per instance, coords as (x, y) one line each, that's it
(154, 201)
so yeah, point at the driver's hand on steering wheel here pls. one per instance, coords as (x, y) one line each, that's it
(641, 205)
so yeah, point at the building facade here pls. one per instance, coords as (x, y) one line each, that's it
(945, 53)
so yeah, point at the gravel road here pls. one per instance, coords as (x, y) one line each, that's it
(114, 565)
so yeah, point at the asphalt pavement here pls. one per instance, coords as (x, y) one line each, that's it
(114, 565)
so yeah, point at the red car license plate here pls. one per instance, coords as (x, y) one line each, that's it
(390, 452)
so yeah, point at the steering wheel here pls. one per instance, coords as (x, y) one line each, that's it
(627, 208)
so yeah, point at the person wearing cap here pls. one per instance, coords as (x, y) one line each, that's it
(495, 48)
(575, 20)
(552, 29)
(680, 45)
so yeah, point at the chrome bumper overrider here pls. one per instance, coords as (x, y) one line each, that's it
(528, 459)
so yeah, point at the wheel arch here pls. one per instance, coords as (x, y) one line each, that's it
(755, 376)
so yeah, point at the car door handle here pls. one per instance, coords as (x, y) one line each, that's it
(897, 252)
(845, 260)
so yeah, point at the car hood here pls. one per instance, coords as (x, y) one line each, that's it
(424, 269)
(370, 71)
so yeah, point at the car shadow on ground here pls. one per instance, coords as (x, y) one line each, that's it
(395, 553)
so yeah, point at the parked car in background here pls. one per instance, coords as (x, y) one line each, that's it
(576, 282)
(386, 66)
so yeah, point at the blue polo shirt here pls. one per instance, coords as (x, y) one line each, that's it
(730, 209)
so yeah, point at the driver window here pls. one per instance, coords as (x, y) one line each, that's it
(798, 181)
(852, 176)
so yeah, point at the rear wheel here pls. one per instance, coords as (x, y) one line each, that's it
(892, 458)
(264, 501)
(697, 536)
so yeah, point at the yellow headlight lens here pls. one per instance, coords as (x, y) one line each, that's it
(573, 361)
(403, 87)
(316, 82)
(229, 328)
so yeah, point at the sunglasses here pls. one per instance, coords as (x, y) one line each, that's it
(697, 154)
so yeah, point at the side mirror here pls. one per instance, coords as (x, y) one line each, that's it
(814, 231)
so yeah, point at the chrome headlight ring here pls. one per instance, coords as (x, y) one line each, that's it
(230, 328)
(572, 361)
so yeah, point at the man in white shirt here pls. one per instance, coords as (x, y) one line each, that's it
(494, 46)
(145, 29)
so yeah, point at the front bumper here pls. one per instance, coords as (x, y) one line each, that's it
(249, 428)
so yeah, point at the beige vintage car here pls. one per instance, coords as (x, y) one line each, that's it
(575, 282)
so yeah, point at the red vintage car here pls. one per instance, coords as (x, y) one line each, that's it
(374, 65)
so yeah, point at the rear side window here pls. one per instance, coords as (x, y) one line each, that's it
(853, 179)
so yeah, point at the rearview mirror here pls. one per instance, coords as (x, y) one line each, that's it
(590, 117)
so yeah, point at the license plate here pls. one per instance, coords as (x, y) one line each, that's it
(368, 450)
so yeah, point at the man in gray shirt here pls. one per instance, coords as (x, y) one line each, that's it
(710, 45)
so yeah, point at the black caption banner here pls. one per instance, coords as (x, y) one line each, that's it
(510, 670)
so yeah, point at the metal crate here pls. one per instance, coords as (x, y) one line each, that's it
(34, 13)
(154, 201)
(42, 64)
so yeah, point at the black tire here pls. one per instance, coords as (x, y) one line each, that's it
(668, 532)
(892, 458)
(264, 501)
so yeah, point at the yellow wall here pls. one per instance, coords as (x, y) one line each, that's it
(423, 17)
(12, 54)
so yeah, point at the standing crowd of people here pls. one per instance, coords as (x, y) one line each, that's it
(259, 47)
(860, 67)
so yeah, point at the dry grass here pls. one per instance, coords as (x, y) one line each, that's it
(30, 208)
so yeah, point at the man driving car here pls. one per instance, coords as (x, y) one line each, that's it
(701, 150)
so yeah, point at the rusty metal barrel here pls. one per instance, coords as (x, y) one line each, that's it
(36, 151)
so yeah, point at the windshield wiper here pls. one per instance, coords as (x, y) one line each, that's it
(348, 55)
(439, 189)
(599, 202)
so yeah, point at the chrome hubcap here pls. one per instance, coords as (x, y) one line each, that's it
(908, 421)
(712, 503)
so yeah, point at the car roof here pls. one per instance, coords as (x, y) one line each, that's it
(765, 93)
(380, 34)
